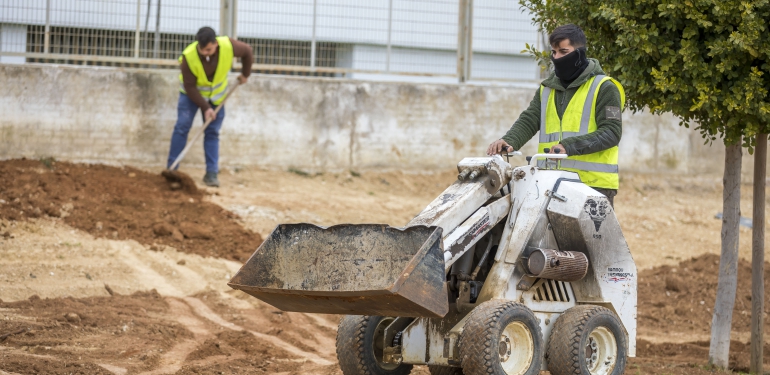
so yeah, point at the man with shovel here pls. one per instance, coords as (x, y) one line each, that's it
(205, 64)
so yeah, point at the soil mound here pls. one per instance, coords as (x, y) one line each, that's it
(681, 298)
(122, 203)
(178, 180)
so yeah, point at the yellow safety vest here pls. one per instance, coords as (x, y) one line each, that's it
(599, 169)
(213, 91)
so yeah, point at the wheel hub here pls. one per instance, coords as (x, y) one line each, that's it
(516, 348)
(378, 344)
(591, 352)
(600, 351)
(505, 348)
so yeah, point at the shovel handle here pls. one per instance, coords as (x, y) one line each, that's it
(202, 128)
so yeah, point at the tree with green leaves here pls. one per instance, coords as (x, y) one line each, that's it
(708, 63)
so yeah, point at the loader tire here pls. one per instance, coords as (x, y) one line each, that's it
(359, 351)
(501, 338)
(444, 370)
(587, 340)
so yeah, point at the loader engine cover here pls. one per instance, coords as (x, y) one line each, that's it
(366, 269)
(557, 265)
(584, 221)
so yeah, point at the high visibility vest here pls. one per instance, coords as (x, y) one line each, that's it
(599, 169)
(214, 90)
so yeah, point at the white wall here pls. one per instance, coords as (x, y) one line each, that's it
(123, 116)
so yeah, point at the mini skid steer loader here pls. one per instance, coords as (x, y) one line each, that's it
(509, 271)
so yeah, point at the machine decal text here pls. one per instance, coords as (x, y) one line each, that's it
(617, 274)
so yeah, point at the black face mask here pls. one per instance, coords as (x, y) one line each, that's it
(569, 66)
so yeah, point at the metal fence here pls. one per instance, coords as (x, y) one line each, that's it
(449, 39)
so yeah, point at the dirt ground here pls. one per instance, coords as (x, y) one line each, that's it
(77, 299)
(122, 203)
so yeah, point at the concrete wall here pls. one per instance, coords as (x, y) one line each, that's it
(124, 116)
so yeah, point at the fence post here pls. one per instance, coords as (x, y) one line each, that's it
(312, 42)
(138, 26)
(156, 46)
(227, 14)
(390, 29)
(464, 40)
(47, 37)
(234, 19)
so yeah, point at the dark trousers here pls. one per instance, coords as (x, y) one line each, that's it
(186, 110)
(610, 193)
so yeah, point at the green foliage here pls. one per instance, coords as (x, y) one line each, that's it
(543, 58)
(706, 61)
(48, 161)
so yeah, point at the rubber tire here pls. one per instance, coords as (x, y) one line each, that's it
(355, 342)
(566, 346)
(444, 370)
(480, 338)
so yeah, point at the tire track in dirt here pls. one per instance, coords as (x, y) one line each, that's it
(203, 310)
(113, 369)
(172, 361)
(326, 344)
(149, 277)
(322, 322)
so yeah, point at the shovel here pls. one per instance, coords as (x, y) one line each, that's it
(176, 178)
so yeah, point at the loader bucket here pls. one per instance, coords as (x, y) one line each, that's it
(366, 269)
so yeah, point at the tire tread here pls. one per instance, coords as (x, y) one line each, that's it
(564, 344)
(477, 337)
(351, 347)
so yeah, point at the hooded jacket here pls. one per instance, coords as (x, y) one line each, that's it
(608, 131)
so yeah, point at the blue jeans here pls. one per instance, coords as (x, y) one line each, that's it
(186, 110)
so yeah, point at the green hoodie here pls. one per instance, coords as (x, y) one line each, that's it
(607, 133)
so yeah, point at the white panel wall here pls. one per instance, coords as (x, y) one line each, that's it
(177, 16)
(13, 38)
(370, 57)
(423, 24)
(507, 67)
(423, 32)
(30, 12)
(501, 26)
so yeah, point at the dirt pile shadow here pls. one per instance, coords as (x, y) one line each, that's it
(122, 203)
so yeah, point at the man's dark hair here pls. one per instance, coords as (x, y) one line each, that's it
(205, 36)
(571, 32)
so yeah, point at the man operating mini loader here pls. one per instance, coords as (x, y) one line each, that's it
(205, 64)
(577, 110)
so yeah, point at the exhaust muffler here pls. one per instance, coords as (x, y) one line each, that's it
(557, 265)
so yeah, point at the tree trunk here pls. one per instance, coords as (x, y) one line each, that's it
(728, 263)
(758, 255)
